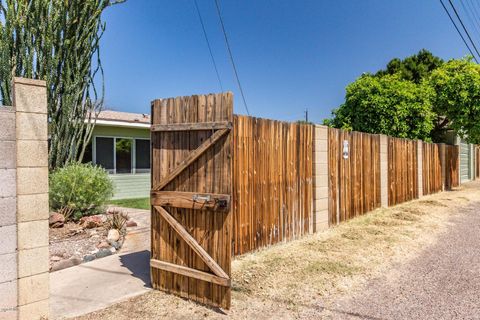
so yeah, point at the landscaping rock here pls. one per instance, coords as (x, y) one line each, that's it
(56, 220)
(103, 245)
(89, 257)
(103, 253)
(56, 258)
(116, 245)
(113, 235)
(66, 264)
(113, 250)
(131, 223)
(91, 222)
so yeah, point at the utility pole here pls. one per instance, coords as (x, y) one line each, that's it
(306, 114)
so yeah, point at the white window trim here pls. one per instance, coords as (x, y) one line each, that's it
(134, 149)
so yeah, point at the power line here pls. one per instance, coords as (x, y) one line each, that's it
(470, 18)
(231, 56)
(475, 12)
(459, 33)
(208, 44)
(463, 26)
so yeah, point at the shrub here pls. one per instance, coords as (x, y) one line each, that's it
(82, 188)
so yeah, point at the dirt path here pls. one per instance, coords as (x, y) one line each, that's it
(412, 261)
(443, 282)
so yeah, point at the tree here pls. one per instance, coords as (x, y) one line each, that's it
(457, 98)
(386, 105)
(414, 68)
(57, 41)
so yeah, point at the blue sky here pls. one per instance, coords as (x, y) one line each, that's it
(290, 55)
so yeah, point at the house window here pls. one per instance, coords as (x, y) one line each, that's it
(122, 155)
(105, 153)
(142, 155)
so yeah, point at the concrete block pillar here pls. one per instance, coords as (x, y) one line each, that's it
(8, 215)
(420, 167)
(320, 179)
(27, 214)
(384, 170)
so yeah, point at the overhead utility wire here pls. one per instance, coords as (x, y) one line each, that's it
(208, 45)
(472, 20)
(475, 12)
(231, 56)
(464, 29)
(459, 33)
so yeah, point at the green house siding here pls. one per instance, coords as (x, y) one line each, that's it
(126, 186)
(110, 131)
(129, 186)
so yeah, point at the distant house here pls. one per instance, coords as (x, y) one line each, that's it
(121, 144)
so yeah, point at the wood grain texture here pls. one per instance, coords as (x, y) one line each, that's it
(208, 173)
(452, 161)
(272, 178)
(402, 170)
(431, 168)
(354, 180)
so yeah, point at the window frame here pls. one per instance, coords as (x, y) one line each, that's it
(133, 153)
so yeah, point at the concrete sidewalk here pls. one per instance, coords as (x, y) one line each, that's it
(100, 283)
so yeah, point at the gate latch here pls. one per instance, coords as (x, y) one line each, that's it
(198, 198)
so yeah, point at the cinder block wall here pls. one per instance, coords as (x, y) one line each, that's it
(24, 260)
(320, 178)
(8, 215)
(384, 170)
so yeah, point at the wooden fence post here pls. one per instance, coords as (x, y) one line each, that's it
(420, 167)
(320, 178)
(384, 170)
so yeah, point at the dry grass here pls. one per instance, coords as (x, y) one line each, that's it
(296, 279)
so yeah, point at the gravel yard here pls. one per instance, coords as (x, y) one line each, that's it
(417, 260)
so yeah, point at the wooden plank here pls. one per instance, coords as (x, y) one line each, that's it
(191, 200)
(191, 242)
(194, 155)
(217, 125)
(189, 272)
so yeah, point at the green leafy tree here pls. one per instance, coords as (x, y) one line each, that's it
(386, 105)
(57, 41)
(457, 98)
(413, 68)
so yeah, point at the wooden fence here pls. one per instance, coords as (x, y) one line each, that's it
(354, 174)
(272, 182)
(432, 168)
(224, 185)
(402, 170)
(452, 163)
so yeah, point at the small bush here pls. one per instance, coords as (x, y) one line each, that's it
(82, 188)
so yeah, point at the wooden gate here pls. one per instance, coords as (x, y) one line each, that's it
(191, 197)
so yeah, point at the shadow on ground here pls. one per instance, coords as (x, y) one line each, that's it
(139, 265)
